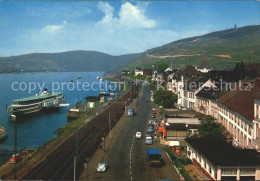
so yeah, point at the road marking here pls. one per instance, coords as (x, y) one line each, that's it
(131, 178)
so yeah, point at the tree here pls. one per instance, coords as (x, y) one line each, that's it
(162, 67)
(210, 129)
(165, 98)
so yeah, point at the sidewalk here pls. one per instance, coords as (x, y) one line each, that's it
(90, 169)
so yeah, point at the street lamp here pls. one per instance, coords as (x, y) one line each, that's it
(87, 160)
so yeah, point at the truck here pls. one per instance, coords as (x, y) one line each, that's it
(154, 157)
(131, 112)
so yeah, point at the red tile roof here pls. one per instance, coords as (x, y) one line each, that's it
(242, 101)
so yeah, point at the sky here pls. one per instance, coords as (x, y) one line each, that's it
(113, 27)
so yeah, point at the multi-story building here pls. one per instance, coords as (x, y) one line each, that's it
(206, 101)
(237, 111)
(256, 124)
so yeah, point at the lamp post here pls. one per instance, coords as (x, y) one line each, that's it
(87, 160)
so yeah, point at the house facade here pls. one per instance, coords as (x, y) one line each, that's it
(218, 160)
(237, 111)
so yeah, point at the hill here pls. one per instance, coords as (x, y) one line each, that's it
(220, 50)
(64, 61)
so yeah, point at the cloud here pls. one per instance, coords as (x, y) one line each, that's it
(134, 16)
(129, 16)
(107, 10)
(52, 29)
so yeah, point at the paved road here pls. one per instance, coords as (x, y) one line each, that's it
(127, 159)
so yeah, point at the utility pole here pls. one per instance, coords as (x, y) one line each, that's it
(104, 142)
(77, 152)
(15, 151)
(74, 178)
(109, 127)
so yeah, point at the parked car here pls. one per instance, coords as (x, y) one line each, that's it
(152, 115)
(13, 158)
(151, 122)
(102, 166)
(148, 141)
(148, 136)
(150, 130)
(138, 135)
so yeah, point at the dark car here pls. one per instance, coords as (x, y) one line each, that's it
(152, 115)
(150, 130)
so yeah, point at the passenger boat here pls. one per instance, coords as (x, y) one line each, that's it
(3, 134)
(45, 100)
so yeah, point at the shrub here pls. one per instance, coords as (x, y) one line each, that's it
(185, 174)
(178, 163)
(171, 154)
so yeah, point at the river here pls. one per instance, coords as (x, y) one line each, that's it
(36, 130)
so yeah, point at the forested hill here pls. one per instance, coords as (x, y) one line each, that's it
(64, 61)
(220, 50)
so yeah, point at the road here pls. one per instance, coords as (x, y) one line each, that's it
(127, 157)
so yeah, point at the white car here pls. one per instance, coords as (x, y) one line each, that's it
(102, 166)
(138, 135)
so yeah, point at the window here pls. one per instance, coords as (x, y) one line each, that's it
(228, 171)
(247, 171)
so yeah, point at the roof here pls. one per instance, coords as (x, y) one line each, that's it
(148, 72)
(209, 93)
(181, 126)
(188, 121)
(193, 84)
(241, 101)
(153, 151)
(221, 153)
(36, 97)
(190, 71)
(92, 98)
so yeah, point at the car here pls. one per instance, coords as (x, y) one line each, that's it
(152, 115)
(148, 141)
(150, 122)
(138, 135)
(13, 158)
(102, 166)
(150, 130)
(149, 136)
(150, 127)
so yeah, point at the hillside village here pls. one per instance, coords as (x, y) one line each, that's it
(231, 97)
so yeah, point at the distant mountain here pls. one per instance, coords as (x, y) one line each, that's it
(64, 61)
(220, 50)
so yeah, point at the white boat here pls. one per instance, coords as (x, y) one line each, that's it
(45, 100)
(99, 78)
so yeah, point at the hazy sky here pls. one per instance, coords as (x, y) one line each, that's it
(113, 27)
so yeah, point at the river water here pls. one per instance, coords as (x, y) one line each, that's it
(35, 130)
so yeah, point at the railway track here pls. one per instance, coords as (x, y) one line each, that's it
(58, 164)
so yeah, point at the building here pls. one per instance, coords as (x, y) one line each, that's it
(256, 123)
(138, 71)
(180, 128)
(148, 72)
(206, 101)
(126, 72)
(191, 72)
(191, 88)
(237, 111)
(92, 101)
(219, 160)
